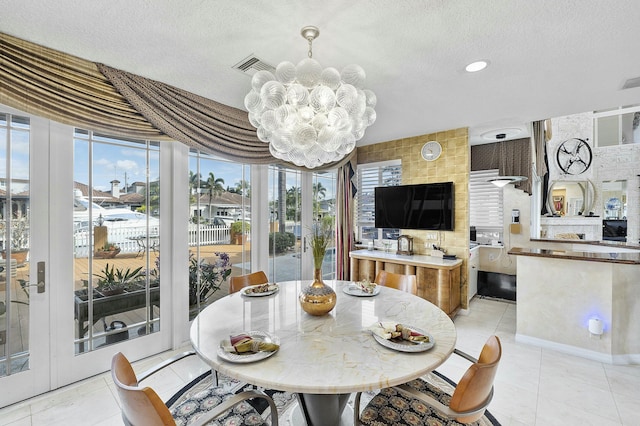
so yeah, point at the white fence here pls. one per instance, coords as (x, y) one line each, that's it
(209, 234)
(129, 241)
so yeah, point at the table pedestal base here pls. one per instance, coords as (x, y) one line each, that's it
(322, 410)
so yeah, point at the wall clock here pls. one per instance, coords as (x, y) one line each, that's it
(431, 151)
(574, 156)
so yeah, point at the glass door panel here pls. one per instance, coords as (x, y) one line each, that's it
(286, 232)
(14, 245)
(219, 227)
(116, 226)
(324, 211)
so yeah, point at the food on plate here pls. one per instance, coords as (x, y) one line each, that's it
(261, 288)
(391, 330)
(366, 286)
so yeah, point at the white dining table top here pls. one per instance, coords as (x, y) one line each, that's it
(330, 354)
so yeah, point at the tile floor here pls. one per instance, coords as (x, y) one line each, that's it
(533, 387)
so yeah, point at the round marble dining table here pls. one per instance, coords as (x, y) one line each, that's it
(323, 358)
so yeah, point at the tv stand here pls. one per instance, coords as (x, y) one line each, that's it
(438, 279)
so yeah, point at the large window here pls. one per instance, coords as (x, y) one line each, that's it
(388, 173)
(116, 237)
(219, 227)
(618, 126)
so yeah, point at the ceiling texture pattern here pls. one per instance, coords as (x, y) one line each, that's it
(547, 58)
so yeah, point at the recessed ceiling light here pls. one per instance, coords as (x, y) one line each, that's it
(476, 66)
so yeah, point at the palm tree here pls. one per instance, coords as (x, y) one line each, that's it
(319, 191)
(215, 188)
(243, 188)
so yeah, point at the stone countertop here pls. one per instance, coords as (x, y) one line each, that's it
(627, 258)
(415, 259)
(619, 244)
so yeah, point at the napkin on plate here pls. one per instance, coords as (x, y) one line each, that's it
(391, 330)
(243, 343)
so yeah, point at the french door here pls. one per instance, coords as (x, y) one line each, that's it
(24, 307)
(50, 335)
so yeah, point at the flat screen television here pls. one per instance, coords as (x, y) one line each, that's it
(424, 206)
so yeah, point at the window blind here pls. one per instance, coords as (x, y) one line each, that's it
(370, 176)
(485, 201)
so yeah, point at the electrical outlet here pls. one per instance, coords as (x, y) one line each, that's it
(432, 236)
(492, 257)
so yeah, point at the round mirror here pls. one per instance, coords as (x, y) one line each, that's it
(571, 198)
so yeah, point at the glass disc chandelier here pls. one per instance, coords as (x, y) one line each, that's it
(309, 115)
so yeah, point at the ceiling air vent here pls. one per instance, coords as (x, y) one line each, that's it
(251, 65)
(631, 83)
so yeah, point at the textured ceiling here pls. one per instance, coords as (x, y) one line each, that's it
(548, 58)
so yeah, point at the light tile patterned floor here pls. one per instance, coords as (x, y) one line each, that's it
(533, 387)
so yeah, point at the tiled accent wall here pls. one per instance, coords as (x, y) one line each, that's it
(452, 166)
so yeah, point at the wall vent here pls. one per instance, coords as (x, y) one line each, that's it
(251, 65)
(631, 83)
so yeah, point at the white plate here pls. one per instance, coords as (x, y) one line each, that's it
(405, 345)
(250, 357)
(247, 290)
(354, 290)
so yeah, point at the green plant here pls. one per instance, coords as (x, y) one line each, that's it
(240, 227)
(111, 279)
(109, 247)
(280, 242)
(205, 278)
(320, 238)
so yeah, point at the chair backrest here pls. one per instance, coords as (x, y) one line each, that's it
(406, 283)
(139, 406)
(241, 281)
(474, 389)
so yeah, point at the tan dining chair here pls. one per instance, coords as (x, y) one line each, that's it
(467, 404)
(141, 406)
(242, 281)
(406, 283)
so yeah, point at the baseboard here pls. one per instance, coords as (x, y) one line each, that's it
(581, 352)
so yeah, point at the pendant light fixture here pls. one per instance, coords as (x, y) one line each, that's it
(308, 115)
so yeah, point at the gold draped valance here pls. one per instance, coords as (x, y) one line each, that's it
(77, 92)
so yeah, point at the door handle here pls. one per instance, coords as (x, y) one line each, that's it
(41, 271)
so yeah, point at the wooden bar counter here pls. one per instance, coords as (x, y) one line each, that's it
(438, 279)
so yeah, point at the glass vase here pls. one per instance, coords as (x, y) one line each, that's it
(318, 298)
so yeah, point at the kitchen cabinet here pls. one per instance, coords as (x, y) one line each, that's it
(438, 279)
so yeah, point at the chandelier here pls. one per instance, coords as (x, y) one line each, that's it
(309, 115)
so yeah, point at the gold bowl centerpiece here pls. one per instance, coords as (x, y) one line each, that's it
(318, 298)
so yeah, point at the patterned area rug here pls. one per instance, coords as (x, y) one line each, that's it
(286, 402)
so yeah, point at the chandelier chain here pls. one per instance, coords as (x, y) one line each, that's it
(310, 53)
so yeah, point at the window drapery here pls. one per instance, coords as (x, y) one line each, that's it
(66, 89)
(511, 158)
(77, 92)
(344, 220)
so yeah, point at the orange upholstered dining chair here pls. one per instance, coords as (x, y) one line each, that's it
(467, 404)
(141, 405)
(406, 283)
(242, 281)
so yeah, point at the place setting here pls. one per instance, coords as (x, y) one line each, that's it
(363, 288)
(401, 337)
(260, 290)
(248, 346)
